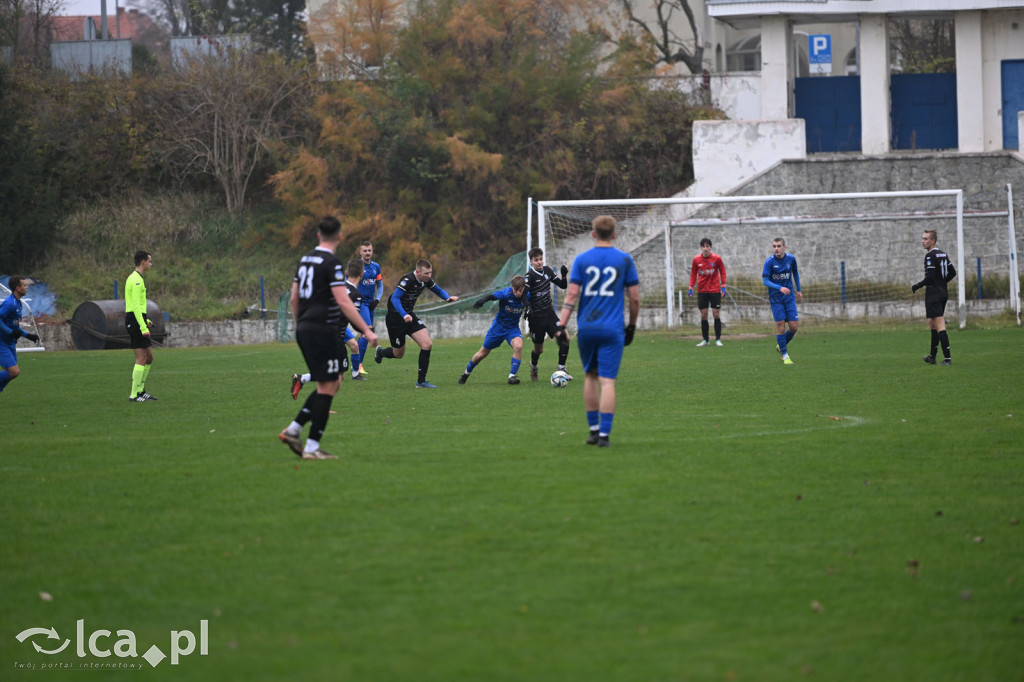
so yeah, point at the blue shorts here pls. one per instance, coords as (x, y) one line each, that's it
(366, 314)
(785, 310)
(348, 336)
(8, 355)
(601, 351)
(496, 336)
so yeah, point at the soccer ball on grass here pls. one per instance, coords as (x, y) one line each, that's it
(559, 379)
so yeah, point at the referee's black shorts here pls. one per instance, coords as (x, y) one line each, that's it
(398, 328)
(135, 335)
(323, 350)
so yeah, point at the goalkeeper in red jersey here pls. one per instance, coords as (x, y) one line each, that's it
(708, 273)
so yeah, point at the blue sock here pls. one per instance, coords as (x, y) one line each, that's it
(355, 362)
(606, 423)
(781, 339)
(592, 419)
(469, 367)
(789, 335)
(515, 365)
(362, 349)
(5, 378)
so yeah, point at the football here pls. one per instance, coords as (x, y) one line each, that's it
(559, 379)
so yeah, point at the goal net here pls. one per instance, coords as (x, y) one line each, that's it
(27, 322)
(858, 253)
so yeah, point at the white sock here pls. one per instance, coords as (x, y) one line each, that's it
(312, 445)
(305, 378)
(294, 428)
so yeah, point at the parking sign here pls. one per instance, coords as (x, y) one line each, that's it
(819, 51)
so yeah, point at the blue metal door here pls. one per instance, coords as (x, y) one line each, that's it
(1013, 100)
(924, 111)
(830, 108)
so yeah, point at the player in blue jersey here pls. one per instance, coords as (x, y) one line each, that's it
(782, 278)
(371, 288)
(402, 321)
(11, 311)
(598, 284)
(512, 300)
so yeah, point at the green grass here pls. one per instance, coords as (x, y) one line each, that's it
(846, 518)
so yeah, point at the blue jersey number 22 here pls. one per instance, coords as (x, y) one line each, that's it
(607, 286)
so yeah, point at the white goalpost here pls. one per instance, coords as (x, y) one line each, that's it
(27, 322)
(858, 252)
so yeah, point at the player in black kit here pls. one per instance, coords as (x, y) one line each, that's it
(541, 314)
(938, 270)
(321, 306)
(402, 322)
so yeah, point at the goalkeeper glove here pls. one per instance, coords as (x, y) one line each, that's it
(630, 330)
(723, 290)
(34, 338)
(690, 292)
(565, 271)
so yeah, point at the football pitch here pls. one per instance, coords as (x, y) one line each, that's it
(851, 517)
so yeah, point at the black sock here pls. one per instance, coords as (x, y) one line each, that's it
(424, 365)
(718, 329)
(321, 412)
(534, 358)
(944, 342)
(563, 355)
(306, 413)
(388, 353)
(935, 343)
(704, 329)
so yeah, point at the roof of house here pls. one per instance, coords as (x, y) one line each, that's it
(127, 23)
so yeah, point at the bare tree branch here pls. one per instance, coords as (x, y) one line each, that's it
(671, 47)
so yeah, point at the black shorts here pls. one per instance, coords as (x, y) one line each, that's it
(935, 306)
(324, 352)
(709, 300)
(135, 336)
(398, 328)
(543, 323)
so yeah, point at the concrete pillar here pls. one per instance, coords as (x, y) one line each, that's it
(970, 86)
(875, 119)
(776, 68)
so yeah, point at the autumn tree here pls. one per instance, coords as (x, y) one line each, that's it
(26, 26)
(221, 116)
(480, 104)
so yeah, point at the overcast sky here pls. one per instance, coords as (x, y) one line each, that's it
(73, 8)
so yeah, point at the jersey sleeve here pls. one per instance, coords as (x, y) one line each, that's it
(766, 275)
(632, 278)
(441, 293)
(693, 271)
(721, 269)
